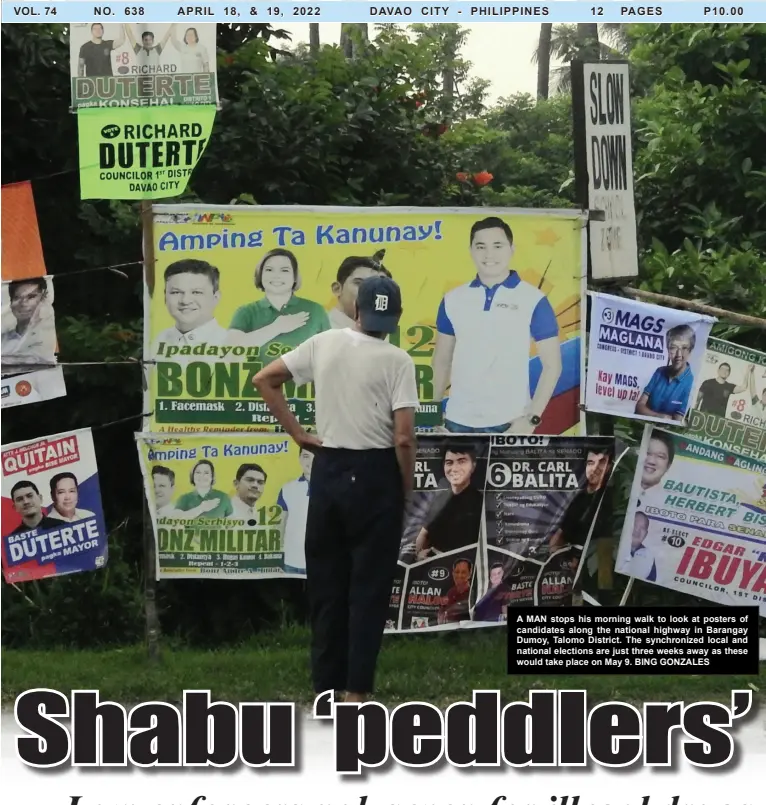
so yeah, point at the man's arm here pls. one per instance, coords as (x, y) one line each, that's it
(441, 362)
(269, 382)
(120, 41)
(131, 37)
(81, 66)
(421, 542)
(405, 445)
(556, 541)
(642, 408)
(549, 351)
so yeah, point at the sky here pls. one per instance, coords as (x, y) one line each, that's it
(501, 53)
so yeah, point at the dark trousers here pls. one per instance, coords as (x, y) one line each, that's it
(353, 532)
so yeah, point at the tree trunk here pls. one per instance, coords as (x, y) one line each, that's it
(544, 60)
(314, 39)
(350, 45)
(587, 38)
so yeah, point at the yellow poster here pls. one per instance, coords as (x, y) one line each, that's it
(492, 302)
(226, 507)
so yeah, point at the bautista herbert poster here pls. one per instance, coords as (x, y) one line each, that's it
(643, 360)
(142, 64)
(53, 521)
(696, 521)
(236, 287)
(729, 408)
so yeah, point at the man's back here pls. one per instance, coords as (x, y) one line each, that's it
(359, 381)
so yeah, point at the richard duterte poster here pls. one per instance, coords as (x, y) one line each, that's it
(235, 287)
(643, 360)
(226, 506)
(142, 64)
(729, 409)
(696, 521)
(53, 521)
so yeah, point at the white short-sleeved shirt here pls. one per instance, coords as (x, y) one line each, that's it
(642, 564)
(294, 500)
(493, 328)
(209, 333)
(359, 382)
(193, 57)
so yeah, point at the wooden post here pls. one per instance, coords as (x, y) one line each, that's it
(150, 567)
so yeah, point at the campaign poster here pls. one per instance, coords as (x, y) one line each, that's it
(542, 497)
(237, 287)
(142, 153)
(32, 387)
(28, 325)
(437, 574)
(643, 360)
(142, 64)
(53, 521)
(729, 408)
(227, 506)
(22, 251)
(696, 521)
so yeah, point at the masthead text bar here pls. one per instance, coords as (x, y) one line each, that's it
(341, 11)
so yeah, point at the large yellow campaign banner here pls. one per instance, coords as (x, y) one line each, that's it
(492, 309)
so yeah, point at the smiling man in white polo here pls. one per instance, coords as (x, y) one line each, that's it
(484, 330)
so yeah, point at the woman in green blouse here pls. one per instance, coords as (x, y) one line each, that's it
(281, 320)
(204, 501)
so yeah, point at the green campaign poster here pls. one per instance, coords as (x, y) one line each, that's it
(141, 153)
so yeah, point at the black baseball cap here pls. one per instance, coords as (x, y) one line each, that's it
(379, 302)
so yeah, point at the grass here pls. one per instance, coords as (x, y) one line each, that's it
(439, 668)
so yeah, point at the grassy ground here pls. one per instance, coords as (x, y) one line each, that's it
(439, 668)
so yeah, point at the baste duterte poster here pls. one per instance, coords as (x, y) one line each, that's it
(226, 506)
(696, 521)
(729, 409)
(142, 64)
(236, 287)
(643, 360)
(53, 521)
(542, 497)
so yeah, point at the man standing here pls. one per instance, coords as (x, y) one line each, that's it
(65, 496)
(96, 55)
(293, 498)
(192, 292)
(352, 272)
(454, 516)
(366, 396)
(714, 393)
(666, 396)
(484, 330)
(577, 520)
(147, 53)
(28, 503)
(249, 484)
(32, 339)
